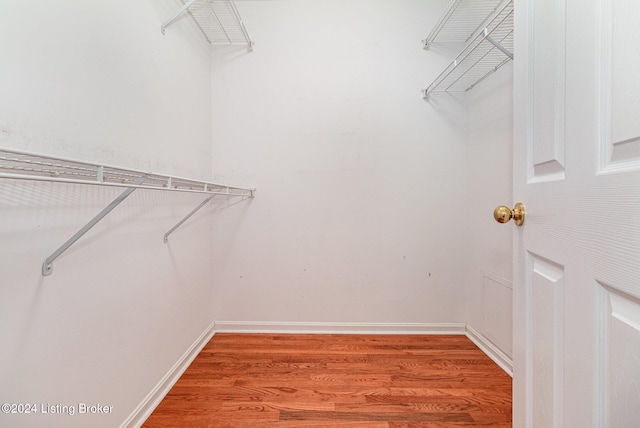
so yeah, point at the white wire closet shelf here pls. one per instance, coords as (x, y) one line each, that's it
(32, 166)
(20, 165)
(489, 49)
(461, 20)
(218, 20)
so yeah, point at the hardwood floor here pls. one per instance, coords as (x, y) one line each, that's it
(383, 381)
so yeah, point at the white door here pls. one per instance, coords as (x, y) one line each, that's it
(577, 256)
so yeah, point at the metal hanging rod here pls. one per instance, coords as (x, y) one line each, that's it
(490, 49)
(15, 164)
(218, 20)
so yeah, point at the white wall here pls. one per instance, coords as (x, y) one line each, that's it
(362, 208)
(97, 81)
(490, 185)
(359, 215)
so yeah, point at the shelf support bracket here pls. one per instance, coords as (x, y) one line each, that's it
(195, 210)
(180, 11)
(496, 44)
(47, 266)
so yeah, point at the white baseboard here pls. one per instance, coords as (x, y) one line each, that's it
(491, 350)
(339, 328)
(500, 358)
(151, 401)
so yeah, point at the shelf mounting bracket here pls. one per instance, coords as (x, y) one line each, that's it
(185, 218)
(47, 266)
(180, 11)
(496, 44)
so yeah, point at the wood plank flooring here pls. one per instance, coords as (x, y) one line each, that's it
(381, 381)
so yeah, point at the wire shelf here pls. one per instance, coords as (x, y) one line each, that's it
(21, 165)
(488, 50)
(461, 20)
(31, 166)
(218, 20)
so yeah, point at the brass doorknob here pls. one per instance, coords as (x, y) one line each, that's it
(503, 214)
